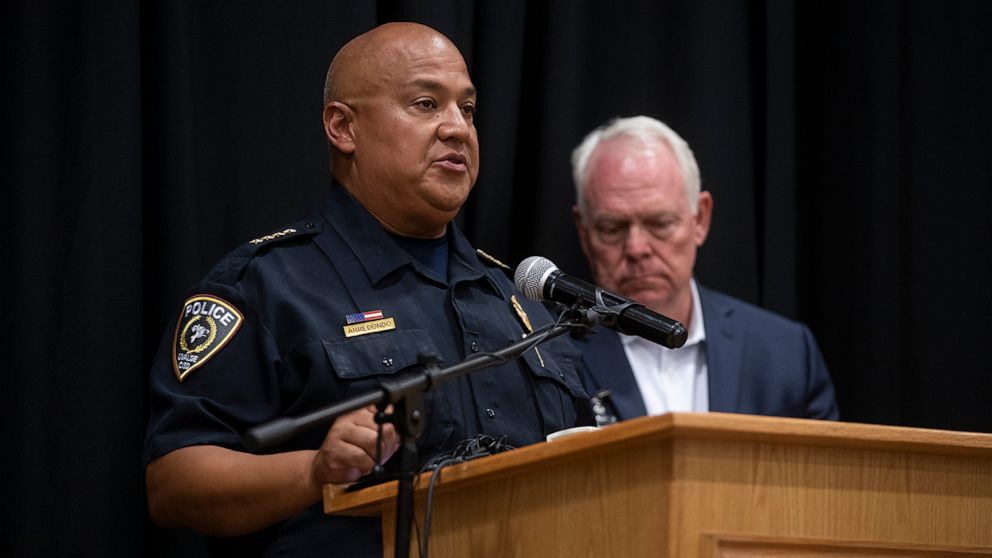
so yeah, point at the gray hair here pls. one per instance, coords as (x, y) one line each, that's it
(645, 129)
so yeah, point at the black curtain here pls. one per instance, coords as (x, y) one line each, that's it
(844, 143)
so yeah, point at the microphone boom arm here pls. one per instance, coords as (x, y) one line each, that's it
(284, 428)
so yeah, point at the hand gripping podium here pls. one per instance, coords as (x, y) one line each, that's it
(710, 485)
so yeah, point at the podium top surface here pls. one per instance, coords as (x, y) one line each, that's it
(674, 426)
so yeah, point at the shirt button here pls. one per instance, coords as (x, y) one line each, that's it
(386, 361)
(308, 225)
(490, 413)
(475, 347)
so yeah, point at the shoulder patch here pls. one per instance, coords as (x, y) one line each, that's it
(206, 324)
(492, 260)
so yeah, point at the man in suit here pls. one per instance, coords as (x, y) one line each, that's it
(641, 216)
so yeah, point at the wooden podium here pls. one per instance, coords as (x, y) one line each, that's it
(709, 485)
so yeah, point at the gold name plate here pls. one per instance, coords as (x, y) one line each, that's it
(365, 328)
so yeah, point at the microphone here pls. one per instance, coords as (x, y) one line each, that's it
(540, 279)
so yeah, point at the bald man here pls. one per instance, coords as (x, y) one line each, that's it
(322, 309)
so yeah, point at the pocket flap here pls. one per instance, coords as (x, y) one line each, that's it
(560, 368)
(379, 353)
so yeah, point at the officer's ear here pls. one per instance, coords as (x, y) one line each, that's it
(338, 121)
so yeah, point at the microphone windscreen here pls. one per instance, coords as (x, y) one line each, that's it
(531, 275)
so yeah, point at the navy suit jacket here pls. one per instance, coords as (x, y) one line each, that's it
(758, 363)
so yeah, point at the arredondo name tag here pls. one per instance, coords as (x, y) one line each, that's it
(373, 326)
(206, 324)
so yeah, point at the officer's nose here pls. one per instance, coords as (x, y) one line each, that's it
(456, 123)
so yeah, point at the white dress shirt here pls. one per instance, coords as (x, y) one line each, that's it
(672, 380)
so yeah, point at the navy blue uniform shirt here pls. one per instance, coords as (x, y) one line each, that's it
(264, 336)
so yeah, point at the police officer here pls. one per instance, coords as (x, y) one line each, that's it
(318, 311)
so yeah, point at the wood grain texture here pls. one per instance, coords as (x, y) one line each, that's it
(723, 546)
(659, 486)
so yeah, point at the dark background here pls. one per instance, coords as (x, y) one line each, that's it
(845, 142)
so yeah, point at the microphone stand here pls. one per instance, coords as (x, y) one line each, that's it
(405, 393)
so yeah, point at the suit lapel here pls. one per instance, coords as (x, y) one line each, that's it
(724, 349)
(608, 365)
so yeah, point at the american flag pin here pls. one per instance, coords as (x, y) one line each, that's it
(360, 317)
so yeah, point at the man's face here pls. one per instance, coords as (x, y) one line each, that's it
(416, 152)
(638, 231)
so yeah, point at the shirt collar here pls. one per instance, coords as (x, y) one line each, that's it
(697, 329)
(378, 253)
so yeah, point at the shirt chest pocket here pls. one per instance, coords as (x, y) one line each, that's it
(557, 367)
(556, 385)
(360, 364)
(379, 353)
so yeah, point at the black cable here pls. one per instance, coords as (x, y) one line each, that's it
(466, 450)
(416, 526)
(429, 507)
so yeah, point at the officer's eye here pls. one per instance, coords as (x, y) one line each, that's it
(426, 104)
(469, 110)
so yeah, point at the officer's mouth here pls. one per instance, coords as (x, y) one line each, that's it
(453, 162)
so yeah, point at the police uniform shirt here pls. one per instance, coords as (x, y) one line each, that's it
(266, 334)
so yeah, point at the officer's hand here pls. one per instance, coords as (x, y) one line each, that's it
(348, 451)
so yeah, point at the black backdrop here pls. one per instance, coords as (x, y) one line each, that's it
(845, 143)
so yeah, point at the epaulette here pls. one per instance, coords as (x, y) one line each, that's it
(234, 263)
(285, 233)
(296, 230)
(273, 236)
(491, 260)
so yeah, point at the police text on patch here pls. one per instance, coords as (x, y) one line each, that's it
(205, 325)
